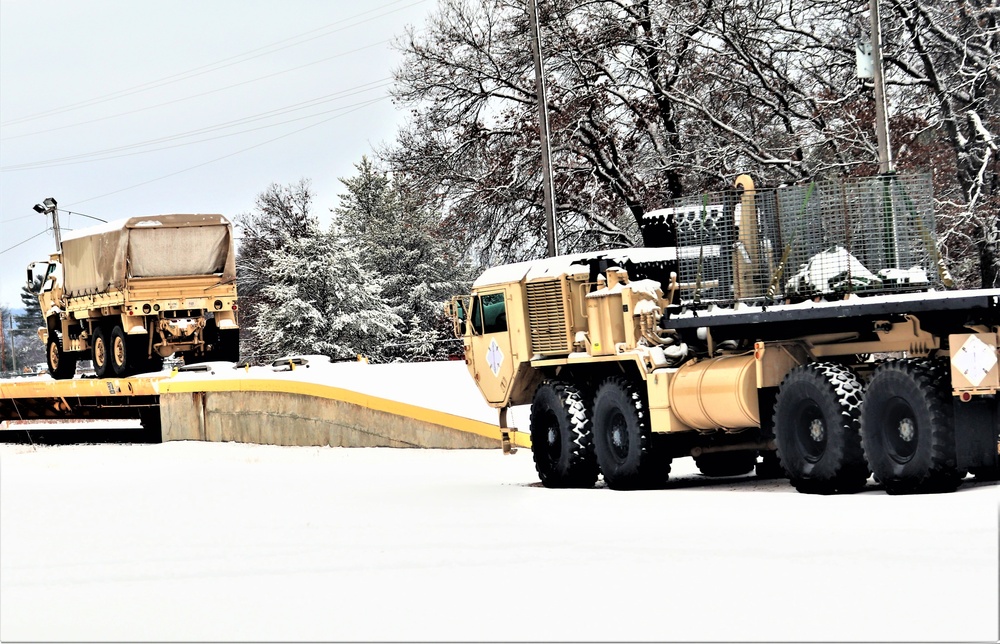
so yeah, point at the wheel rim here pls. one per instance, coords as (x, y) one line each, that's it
(553, 439)
(118, 350)
(99, 352)
(618, 439)
(812, 432)
(900, 430)
(54, 355)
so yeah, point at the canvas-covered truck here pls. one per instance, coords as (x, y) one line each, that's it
(807, 331)
(131, 292)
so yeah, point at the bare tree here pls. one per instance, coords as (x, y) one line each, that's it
(650, 99)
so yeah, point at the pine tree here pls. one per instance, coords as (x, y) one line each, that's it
(319, 299)
(280, 213)
(405, 244)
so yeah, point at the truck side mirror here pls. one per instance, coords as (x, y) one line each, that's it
(37, 276)
(456, 311)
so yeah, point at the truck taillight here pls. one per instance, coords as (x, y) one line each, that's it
(218, 305)
(146, 309)
(234, 307)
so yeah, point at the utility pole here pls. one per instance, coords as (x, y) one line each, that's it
(548, 188)
(13, 353)
(885, 162)
(3, 345)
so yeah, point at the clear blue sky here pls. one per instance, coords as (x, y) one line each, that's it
(118, 108)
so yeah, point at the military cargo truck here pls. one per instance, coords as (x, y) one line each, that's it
(129, 293)
(807, 331)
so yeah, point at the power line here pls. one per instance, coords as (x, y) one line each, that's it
(232, 154)
(24, 242)
(220, 64)
(187, 98)
(108, 153)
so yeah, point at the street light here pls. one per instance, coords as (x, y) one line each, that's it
(49, 207)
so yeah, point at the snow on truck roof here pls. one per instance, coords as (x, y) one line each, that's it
(148, 221)
(579, 263)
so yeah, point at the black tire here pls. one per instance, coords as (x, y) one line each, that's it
(726, 463)
(100, 353)
(818, 430)
(561, 436)
(62, 365)
(119, 352)
(622, 438)
(908, 427)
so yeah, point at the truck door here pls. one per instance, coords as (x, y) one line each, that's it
(490, 344)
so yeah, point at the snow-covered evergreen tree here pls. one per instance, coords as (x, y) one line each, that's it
(281, 213)
(406, 245)
(317, 298)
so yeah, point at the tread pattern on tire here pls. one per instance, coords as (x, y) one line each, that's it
(66, 366)
(578, 465)
(650, 468)
(940, 473)
(842, 466)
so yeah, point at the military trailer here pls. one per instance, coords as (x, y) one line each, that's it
(808, 331)
(129, 293)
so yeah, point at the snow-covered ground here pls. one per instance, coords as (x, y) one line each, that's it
(210, 541)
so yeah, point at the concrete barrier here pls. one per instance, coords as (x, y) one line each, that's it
(283, 412)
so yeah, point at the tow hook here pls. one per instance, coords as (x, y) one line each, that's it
(508, 446)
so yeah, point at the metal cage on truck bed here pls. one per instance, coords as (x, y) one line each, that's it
(827, 238)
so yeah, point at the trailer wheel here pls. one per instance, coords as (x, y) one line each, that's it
(62, 365)
(561, 436)
(101, 355)
(817, 429)
(726, 463)
(908, 428)
(119, 353)
(622, 438)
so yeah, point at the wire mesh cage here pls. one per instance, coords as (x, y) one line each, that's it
(823, 239)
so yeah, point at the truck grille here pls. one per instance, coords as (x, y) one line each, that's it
(547, 318)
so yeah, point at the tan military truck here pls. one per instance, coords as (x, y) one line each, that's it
(131, 292)
(859, 362)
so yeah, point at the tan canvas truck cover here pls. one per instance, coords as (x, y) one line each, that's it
(103, 257)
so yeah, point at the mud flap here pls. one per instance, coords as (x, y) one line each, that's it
(977, 425)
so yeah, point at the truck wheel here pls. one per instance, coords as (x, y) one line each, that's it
(101, 357)
(118, 349)
(726, 463)
(61, 364)
(622, 438)
(817, 429)
(908, 428)
(561, 438)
